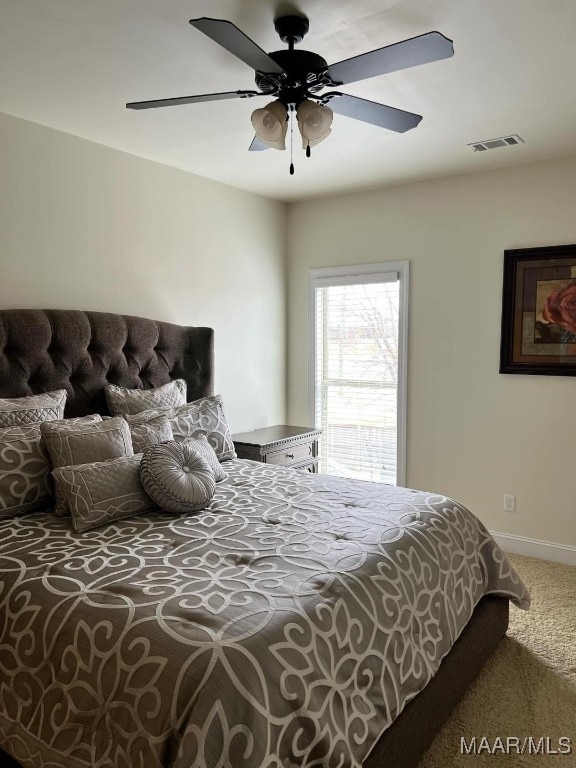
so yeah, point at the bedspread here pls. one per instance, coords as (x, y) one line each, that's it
(286, 625)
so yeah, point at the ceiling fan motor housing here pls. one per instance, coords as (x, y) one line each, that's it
(304, 71)
(305, 74)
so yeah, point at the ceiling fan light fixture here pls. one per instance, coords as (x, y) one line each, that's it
(271, 124)
(314, 122)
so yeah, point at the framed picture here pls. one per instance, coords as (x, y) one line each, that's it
(539, 311)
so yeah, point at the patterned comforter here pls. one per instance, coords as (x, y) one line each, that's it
(286, 625)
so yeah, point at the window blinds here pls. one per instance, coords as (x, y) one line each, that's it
(356, 376)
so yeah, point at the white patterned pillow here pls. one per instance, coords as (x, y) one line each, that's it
(177, 477)
(85, 440)
(201, 417)
(149, 433)
(24, 470)
(17, 411)
(102, 492)
(123, 401)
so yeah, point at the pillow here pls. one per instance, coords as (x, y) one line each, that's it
(104, 491)
(16, 411)
(204, 448)
(25, 484)
(201, 417)
(123, 401)
(85, 440)
(177, 477)
(149, 433)
(24, 470)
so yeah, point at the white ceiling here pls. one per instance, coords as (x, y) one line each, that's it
(73, 64)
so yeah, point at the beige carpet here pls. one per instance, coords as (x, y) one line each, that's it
(528, 687)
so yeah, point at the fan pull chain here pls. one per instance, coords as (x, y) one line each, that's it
(291, 142)
(308, 153)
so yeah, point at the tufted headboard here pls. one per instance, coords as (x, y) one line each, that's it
(42, 350)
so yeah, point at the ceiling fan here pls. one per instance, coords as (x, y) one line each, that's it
(296, 79)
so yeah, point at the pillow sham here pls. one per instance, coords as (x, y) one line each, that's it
(85, 440)
(123, 401)
(200, 417)
(177, 477)
(17, 411)
(25, 483)
(102, 492)
(150, 433)
(24, 470)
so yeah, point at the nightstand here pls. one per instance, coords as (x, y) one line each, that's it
(281, 445)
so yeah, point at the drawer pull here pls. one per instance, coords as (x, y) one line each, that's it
(289, 455)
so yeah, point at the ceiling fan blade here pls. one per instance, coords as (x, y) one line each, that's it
(235, 41)
(372, 112)
(192, 99)
(257, 145)
(408, 53)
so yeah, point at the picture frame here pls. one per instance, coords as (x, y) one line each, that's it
(539, 311)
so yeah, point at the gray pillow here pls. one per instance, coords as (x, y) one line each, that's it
(177, 477)
(83, 441)
(102, 492)
(149, 433)
(201, 417)
(17, 411)
(24, 470)
(204, 448)
(25, 483)
(123, 401)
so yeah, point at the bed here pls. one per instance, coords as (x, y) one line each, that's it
(298, 620)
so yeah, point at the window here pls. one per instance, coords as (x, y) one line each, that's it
(358, 330)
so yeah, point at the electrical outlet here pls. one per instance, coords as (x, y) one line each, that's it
(509, 503)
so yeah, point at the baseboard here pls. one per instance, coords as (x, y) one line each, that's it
(545, 550)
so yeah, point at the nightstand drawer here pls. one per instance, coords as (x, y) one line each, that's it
(290, 455)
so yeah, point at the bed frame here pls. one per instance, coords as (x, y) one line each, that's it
(43, 350)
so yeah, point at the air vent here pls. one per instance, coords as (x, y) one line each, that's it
(504, 141)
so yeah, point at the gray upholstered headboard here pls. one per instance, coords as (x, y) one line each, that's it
(42, 350)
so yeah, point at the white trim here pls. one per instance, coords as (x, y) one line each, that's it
(404, 277)
(358, 273)
(311, 348)
(544, 550)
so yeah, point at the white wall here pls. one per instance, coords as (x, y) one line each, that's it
(472, 433)
(86, 227)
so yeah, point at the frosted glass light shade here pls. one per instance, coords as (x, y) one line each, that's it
(271, 125)
(314, 121)
(313, 142)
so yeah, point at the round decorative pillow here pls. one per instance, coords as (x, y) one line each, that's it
(177, 477)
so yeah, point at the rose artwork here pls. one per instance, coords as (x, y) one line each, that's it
(560, 308)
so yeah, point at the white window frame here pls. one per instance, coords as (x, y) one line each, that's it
(366, 273)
